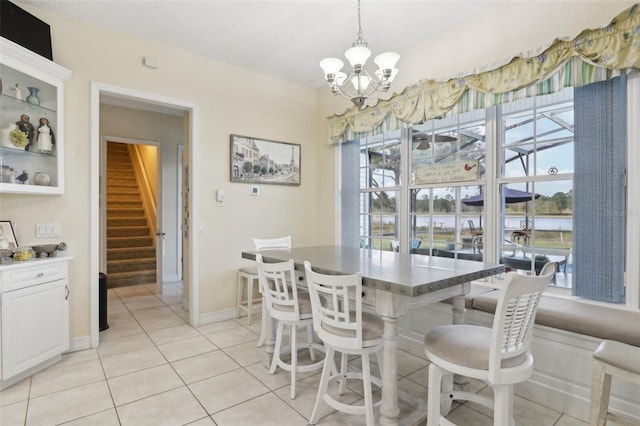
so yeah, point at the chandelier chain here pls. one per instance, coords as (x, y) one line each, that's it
(359, 23)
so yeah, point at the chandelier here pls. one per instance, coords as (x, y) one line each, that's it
(360, 84)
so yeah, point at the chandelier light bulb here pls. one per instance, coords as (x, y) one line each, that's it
(380, 74)
(340, 78)
(360, 83)
(387, 60)
(357, 56)
(331, 66)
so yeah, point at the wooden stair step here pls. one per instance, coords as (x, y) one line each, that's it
(128, 231)
(122, 212)
(118, 253)
(122, 279)
(126, 221)
(131, 265)
(115, 242)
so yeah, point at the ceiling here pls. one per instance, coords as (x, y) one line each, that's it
(281, 38)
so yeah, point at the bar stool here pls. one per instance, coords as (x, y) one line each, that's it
(611, 359)
(249, 275)
(500, 356)
(344, 327)
(291, 307)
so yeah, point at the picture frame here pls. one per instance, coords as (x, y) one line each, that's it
(257, 160)
(8, 239)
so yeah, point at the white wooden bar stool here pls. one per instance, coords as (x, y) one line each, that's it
(500, 356)
(291, 307)
(249, 275)
(611, 359)
(344, 327)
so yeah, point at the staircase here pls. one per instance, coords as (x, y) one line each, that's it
(131, 253)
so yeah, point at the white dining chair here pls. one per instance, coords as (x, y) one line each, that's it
(344, 327)
(499, 356)
(291, 307)
(248, 276)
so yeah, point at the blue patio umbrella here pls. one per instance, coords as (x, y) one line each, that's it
(510, 196)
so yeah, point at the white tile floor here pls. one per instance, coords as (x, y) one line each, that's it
(153, 368)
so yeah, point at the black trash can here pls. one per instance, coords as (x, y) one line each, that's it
(102, 303)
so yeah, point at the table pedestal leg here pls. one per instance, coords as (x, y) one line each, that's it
(458, 313)
(270, 342)
(389, 410)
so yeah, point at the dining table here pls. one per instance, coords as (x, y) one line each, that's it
(393, 284)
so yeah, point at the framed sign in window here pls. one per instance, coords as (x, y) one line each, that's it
(255, 160)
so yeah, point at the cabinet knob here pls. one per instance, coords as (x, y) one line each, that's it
(66, 296)
(40, 275)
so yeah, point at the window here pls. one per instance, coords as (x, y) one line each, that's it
(527, 146)
(439, 222)
(536, 164)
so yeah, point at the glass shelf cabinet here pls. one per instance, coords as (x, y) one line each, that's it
(31, 122)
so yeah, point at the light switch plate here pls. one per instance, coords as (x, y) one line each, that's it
(46, 230)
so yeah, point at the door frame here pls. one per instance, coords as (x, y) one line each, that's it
(159, 242)
(192, 111)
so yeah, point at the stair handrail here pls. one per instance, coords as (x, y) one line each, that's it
(146, 191)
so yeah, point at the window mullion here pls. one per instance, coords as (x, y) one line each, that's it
(491, 207)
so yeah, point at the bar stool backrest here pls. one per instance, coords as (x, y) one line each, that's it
(272, 243)
(514, 318)
(336, 302)
(278, 285)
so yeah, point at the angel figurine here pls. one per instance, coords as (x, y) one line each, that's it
(46, 139)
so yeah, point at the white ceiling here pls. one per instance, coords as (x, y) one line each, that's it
(281, 38)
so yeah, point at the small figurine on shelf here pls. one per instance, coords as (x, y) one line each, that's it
(27, 128)
(46, 139)
(19, 92)
(23, 178)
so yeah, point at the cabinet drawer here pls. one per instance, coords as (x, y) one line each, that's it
(14, 279)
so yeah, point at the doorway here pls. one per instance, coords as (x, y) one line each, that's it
(132, 243)
(132, 98)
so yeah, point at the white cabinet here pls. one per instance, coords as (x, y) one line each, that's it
(32, 94)
(35, 315)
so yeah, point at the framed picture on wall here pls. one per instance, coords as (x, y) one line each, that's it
(255, 160)
(7, 236)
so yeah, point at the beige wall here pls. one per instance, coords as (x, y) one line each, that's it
(230, 100)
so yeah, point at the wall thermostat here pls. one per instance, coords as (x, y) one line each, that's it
(255, 190)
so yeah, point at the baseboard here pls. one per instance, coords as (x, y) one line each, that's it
(79, 344)
(170, 278)
(228, 314)
(211, 317)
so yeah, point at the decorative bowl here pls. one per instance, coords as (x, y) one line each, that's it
(45, 250)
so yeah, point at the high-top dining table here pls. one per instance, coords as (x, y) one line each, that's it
(393, 284)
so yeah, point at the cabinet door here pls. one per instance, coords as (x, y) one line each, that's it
(35, 326)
